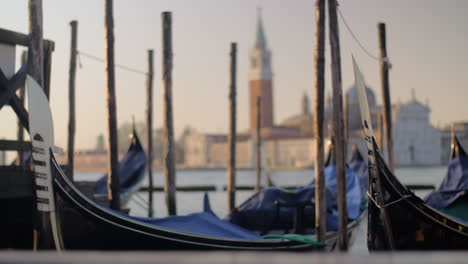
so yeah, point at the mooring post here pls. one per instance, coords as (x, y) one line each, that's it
(338, 126)
(384, 66)
(319, 86)
(149, 122)
(113, 180)
(71, 99)
(258, 137)
(47, 69)
(345, 127)
(24, 58)
(380, 132)
(231, 171)
(3, 158)
(36, 45)
(168, 131)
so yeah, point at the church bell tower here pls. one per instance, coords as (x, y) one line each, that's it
(261, 80)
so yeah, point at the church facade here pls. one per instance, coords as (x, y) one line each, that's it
(416, 141)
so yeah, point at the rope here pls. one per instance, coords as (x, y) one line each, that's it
(385, 59)
(95, 58)
(404, 197)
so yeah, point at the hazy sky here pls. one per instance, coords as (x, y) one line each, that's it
(426, 42)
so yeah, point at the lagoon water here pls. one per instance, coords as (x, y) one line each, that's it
(190, 202)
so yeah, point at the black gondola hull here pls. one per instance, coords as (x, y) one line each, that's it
(88, 226)
(414, 224)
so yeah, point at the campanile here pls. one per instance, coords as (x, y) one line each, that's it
(260, 80)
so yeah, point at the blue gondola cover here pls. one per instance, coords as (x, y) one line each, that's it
(260, 212)
(200, 223)
(131, 169)
(454, 185)
(359, 166)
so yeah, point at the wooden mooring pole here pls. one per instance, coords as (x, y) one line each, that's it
(71, 99)
(258, 138)
(231, 171)
(320, 200)
(386, 102)
(345, 127)
(113, 180)
(168, 130)
(380, 132)
(36, 45)
(149, 123)
(47, 69)
(338, 125)
(24, 58)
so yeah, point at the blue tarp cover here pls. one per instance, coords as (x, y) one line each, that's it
(204, 223)
(259, 212)
(360, 167)
(453, 185)
(131, 170)
(353, 189)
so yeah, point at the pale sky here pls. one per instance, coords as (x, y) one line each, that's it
(426, 42)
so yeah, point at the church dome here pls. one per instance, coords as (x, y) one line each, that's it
(352, 96)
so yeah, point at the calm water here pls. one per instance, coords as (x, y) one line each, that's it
(189, 202)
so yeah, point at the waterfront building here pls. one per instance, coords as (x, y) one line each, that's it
(291, 142)
(416, 141)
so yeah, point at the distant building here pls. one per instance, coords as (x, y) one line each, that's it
(287, 144)
(302, 122)
(210, 150)
(261, 81)
(291, 142)
(416, 141)
(100, 144)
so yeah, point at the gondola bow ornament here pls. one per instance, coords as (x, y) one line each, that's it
(42, 138)
(375, 187)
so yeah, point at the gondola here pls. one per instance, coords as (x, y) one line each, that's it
(276, 211)
(70, 220)
(398, 219)
(131, 174)
(451, 197)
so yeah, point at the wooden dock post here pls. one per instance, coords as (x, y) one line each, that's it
(258, 138)
(47, 69)
(24, 58)
(149, 124)
(113, 180)
(338, 126)
(380, 132)
(168, 133)
(71, 99)
(345, 127)
(386, 102)
(319, 59)
(36, 45)
(231, 171)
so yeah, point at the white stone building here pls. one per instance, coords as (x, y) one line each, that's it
(415, 140)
